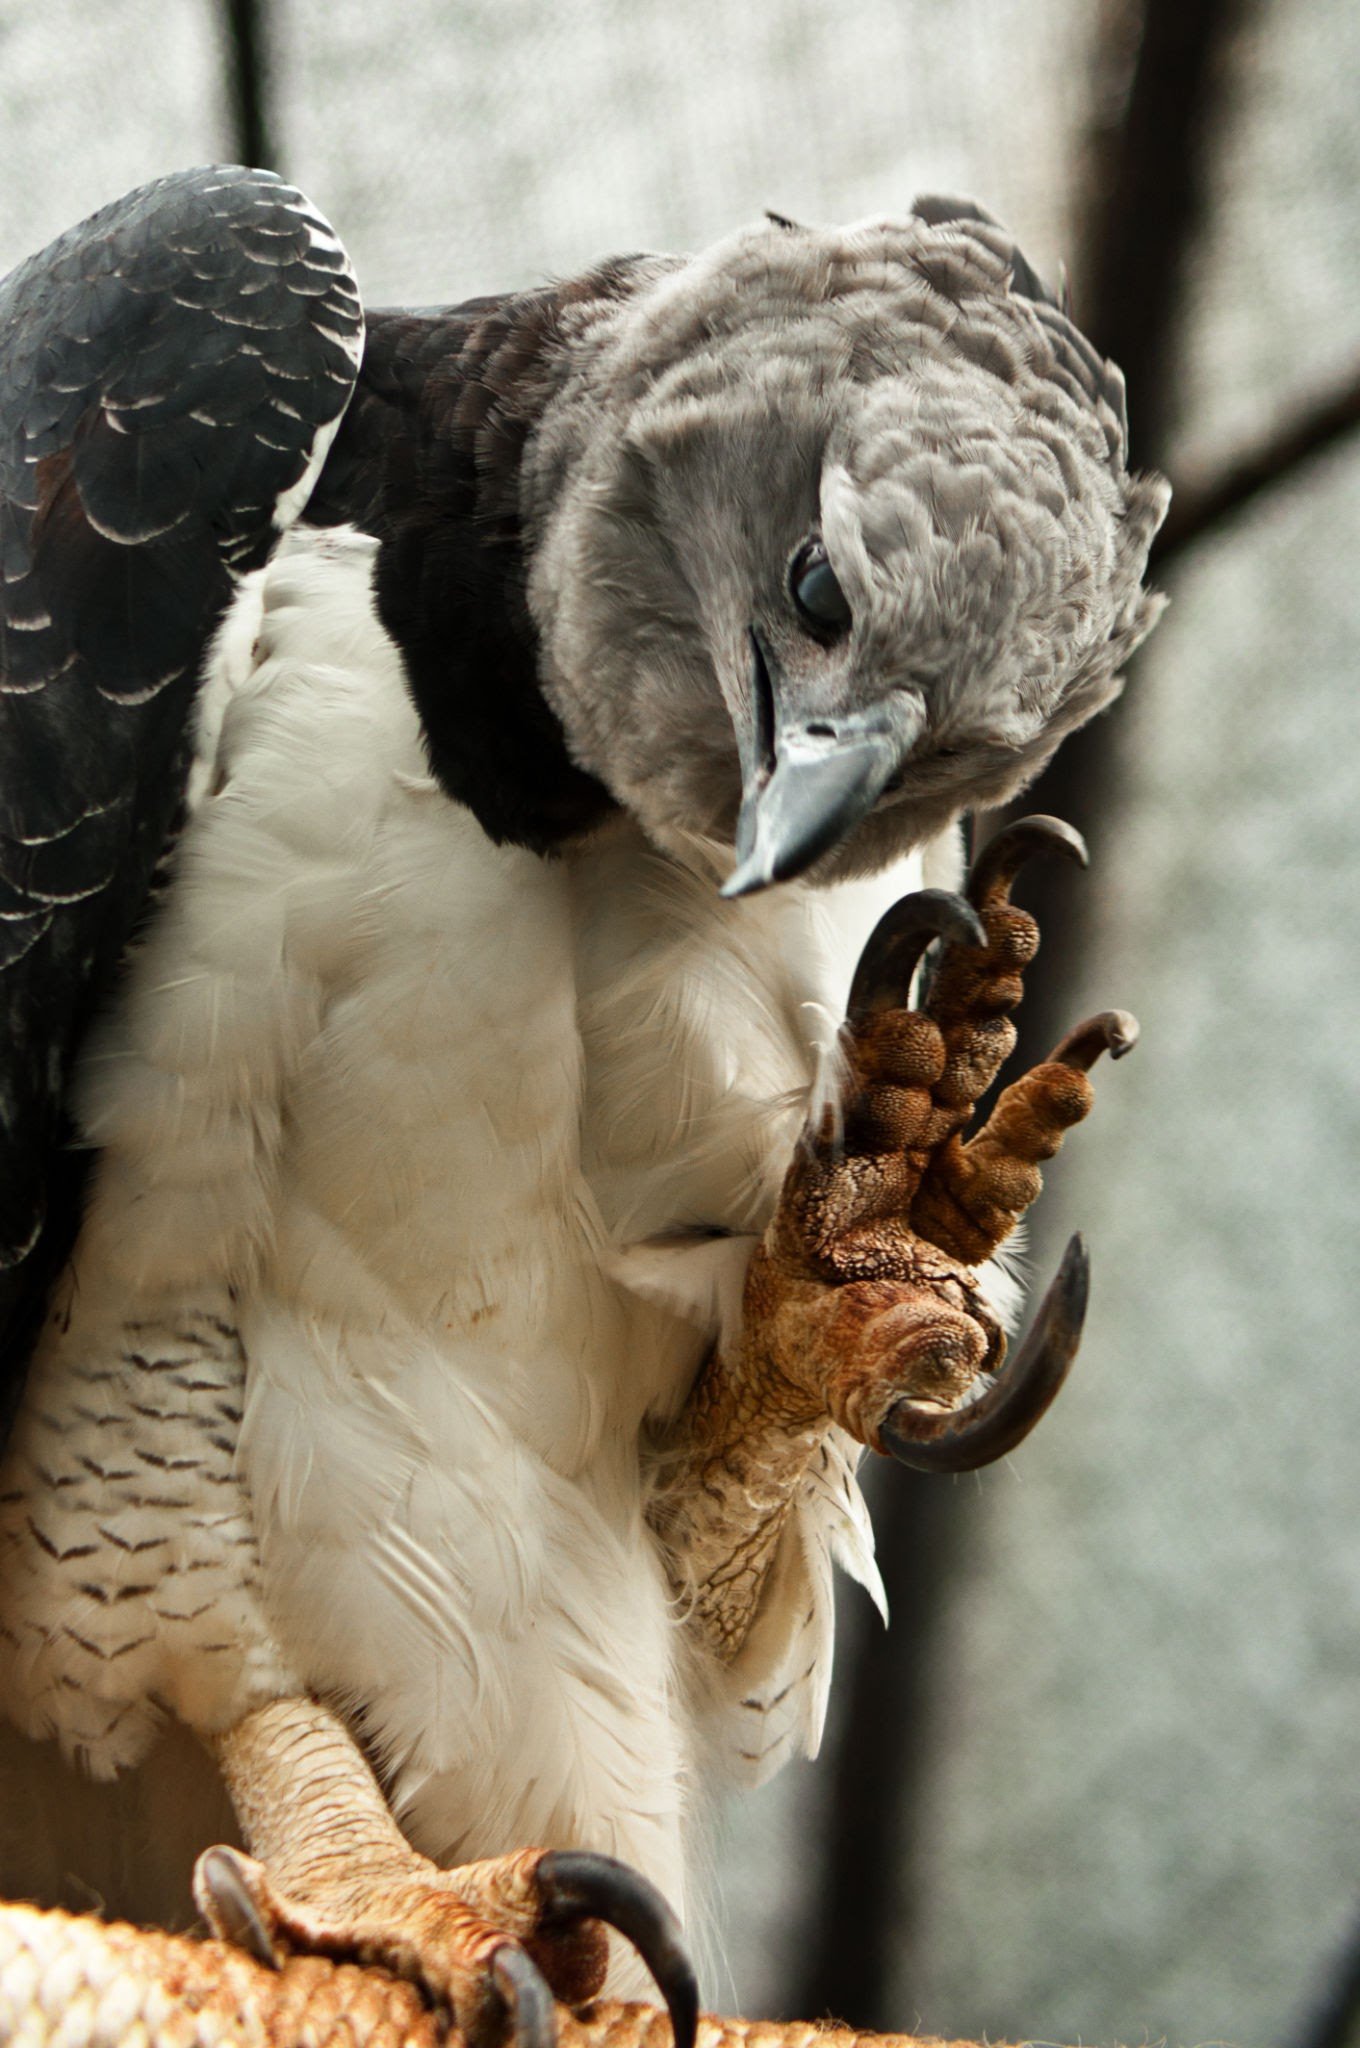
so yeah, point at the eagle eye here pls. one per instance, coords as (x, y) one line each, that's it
(820, 602)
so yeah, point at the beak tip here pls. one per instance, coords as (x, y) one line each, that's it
(746, 878)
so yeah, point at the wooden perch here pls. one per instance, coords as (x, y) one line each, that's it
(69, 1981)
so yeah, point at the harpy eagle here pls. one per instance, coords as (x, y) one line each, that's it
(450, 763)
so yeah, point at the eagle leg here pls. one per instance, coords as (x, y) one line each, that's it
(863, 1306)
(496, 1942)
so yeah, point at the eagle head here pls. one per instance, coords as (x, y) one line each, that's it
(834, 536)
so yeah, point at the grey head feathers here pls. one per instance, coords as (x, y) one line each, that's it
(905, 397)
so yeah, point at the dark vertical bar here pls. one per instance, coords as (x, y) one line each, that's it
(246, 23)
(1334, 2020)
(1151, 206)
(862, 1910)
(1148, 217)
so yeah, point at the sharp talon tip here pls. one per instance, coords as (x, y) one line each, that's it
(1073, 1280)
(578, 1884)
(528, 2001)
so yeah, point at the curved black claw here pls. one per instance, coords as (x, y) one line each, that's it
(1112, 1031)
(528, 2001)
(223, 1895)
(994, 1422)
(1001, 859)
(893, 949)
(577, 1884)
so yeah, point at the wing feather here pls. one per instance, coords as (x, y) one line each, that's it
(171, 372)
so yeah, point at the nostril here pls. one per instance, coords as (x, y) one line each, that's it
(762, 694)
(821, 732)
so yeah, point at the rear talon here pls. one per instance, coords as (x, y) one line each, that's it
(576, 1884)
(994, 1421)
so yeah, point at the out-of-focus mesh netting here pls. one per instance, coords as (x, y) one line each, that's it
(1143, 1810)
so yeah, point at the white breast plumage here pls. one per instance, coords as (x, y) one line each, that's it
(469, 1146)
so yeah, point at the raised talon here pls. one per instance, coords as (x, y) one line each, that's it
(905, 1209)
(1001, 859)
(577, 1884)
(893, 950)
(993, 1422)
(865, 1304)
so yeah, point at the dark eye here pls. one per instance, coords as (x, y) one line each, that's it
(820, 601)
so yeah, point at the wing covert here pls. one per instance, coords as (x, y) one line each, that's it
(172, 372)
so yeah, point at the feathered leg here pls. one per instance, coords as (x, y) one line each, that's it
(863, 1306)
(331, 1874)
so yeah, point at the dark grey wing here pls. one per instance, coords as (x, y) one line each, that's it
(171, 374)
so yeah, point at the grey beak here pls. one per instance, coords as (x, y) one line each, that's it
(808, 777)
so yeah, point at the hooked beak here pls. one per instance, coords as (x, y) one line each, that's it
(808, 777)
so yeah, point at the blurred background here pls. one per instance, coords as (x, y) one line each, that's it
(1101, 1781)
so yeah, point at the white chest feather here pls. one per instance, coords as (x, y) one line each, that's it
(426, 1106)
